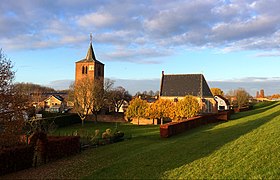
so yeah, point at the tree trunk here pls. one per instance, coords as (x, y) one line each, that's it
(161, 121)
(95, 116)
(138, 121)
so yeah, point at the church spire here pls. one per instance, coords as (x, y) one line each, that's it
(90, 54)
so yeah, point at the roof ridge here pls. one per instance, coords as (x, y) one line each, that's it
(182, 74)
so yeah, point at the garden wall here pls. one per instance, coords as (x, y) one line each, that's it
(173, 128)
(113, 117)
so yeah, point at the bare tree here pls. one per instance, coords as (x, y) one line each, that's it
(242, 97)
(89, 97)
(97, 96)
(118, 96)
(12, 105)
(82, 98)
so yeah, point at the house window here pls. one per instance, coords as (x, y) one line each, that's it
(209, 106)
(86, 69)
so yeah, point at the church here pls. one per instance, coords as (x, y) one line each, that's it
(89, 67)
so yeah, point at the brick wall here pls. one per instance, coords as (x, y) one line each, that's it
(173, 128)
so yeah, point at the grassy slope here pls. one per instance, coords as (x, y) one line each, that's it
(254, 152)
(245, 147)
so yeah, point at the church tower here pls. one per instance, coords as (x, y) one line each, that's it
(89, 66)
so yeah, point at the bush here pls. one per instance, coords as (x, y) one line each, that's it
(62, 121)
(118, 136)
(15, 158)
(62, 146)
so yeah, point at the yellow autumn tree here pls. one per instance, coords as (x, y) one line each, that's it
(151, 112)
(187, 107)
(161, 109)
(137, 109)
(217, 91)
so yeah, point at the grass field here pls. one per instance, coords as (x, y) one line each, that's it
(247, 146)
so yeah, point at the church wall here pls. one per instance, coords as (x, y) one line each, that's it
(88, 70)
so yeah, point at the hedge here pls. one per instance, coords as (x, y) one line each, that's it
(64, 120)
(16, 158)
(62, 146)
(173, 128)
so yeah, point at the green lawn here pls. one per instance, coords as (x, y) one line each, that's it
(248, 146)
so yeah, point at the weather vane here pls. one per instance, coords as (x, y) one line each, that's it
(90, 37)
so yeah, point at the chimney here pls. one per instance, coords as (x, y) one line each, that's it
(161, 83)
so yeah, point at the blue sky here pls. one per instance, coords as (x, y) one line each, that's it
(230, 41)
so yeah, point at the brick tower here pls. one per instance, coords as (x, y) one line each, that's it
(89, 66)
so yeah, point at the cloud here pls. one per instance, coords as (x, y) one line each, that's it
(270, 85)
(268, 54)
(251, 84)
(60, 84)
(227, 25)
(99, 20)
(137, 55)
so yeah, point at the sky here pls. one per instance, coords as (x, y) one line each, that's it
(234, 43)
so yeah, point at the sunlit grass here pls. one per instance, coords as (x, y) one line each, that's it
(245, 147)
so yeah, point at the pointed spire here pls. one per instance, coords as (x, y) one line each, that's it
(90, 38)
(90, 54)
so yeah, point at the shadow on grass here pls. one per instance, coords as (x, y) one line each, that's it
(150, 157)
(259, 108)
(201, 144)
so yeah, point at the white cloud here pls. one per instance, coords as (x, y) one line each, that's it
(228, 25)
(138, 55)
(98, 20)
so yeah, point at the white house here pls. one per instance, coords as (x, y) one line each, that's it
(54, 103)
(223, 103)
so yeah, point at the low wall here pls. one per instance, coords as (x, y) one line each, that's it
(114, 117)
(173, 128)
(144, 121)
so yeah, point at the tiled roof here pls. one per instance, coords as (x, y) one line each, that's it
(58, 97)
(90, 57)
(184, 84)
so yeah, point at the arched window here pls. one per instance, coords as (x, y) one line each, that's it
(86, 69)
(83, 70)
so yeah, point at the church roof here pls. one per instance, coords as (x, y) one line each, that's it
(90, 57)
(184, 84)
